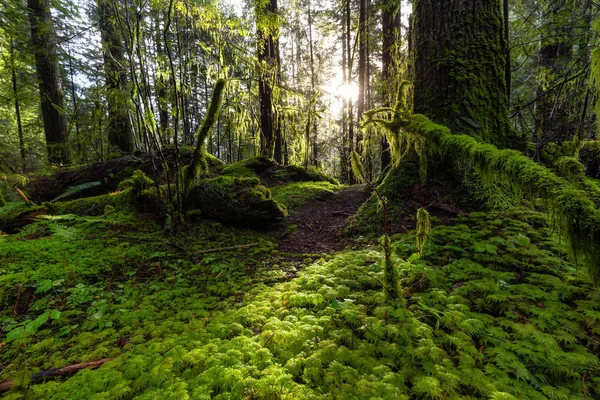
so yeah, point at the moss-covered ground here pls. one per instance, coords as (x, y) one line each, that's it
(492, 309)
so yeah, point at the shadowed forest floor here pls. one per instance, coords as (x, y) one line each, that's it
(316, 227)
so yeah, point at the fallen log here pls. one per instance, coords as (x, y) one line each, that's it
(5, 386)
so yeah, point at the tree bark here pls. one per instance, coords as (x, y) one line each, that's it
(18, 111)
(268, 49)
(459, 64)
(119, 125)
(389, 32)
(51, 94)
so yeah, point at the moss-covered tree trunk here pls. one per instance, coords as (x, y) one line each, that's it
(459, 64)
(43, 43)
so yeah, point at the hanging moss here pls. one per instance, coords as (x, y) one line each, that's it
(2, 201)
(574, 212)
(199, 164)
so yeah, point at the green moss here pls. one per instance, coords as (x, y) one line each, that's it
(248, 168)
(295, 194)
(92, 206)
(296, 173)
(16, 217)
(2, 201)
(235, 201)
(574, 212)
(369, 217)
(199, 163)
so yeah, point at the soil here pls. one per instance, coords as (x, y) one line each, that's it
(316, 227)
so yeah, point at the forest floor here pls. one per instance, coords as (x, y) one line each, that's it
(317, 226)
(491, 309)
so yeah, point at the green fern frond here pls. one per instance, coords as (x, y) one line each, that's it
(73, 190)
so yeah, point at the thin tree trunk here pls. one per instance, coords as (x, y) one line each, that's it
(18, 111)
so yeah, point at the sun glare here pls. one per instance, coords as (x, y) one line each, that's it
(348, 91)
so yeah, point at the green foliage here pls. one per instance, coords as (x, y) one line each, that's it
(2, 200)
(572, 209)
(199, 164)
(491, 310)
(73, 190)
(570, 169)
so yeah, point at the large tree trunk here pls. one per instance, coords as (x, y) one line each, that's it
(51, 95)
(119, 125)
(459, 64)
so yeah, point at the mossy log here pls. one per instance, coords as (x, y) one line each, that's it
(13, 220)
(109, 173)
(270, 172)
(234, 201)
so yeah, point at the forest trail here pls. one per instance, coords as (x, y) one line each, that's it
(316, 227)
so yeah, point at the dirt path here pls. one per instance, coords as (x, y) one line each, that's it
(318, 223)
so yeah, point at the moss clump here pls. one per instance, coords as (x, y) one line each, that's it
(295, 194)
(235, 201)
(137, 183)
(250, 167)
(296, 173)
(570, 169)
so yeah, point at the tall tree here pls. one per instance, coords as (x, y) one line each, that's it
(120, 131)
(268, 56)
(51, 94)
(460, 78)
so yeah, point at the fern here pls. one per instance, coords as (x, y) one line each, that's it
(73, 190)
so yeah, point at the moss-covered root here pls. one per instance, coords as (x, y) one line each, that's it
(571, 206)
(234, 201)
(198, 164)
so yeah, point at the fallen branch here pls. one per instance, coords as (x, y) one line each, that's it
(5, 386)
(22, 195)
(241, 246)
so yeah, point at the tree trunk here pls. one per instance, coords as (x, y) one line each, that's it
(18, 111)
(119, 125)
(51, 95)
(362, 68)
(459, 64)
(268, 48)
(388, 31)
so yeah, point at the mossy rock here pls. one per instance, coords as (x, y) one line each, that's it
(235, 201)
(296, 173)
(296, 194)
(271, 172)
(250, 167)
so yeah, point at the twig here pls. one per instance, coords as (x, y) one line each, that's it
(583, 386)
(5, 386)
(216, 250)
